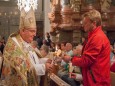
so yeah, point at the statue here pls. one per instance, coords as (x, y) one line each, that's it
(105, 4)
(54, 16)
(75, 5)
(54, 4)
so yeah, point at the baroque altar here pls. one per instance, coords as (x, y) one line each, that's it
(65, 17)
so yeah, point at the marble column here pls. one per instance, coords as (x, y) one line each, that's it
(47, 9)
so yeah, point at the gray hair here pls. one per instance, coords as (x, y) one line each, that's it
(46, 48)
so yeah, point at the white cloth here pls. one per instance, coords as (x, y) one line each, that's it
(43, 60)
(79, 77)
(35, 60)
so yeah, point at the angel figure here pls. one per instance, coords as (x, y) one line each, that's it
(105, 4)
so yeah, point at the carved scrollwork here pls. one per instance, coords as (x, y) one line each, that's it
(105, 4)
(75, 5)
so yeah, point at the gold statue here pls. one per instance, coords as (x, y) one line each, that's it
(105, 4)
(75, 5)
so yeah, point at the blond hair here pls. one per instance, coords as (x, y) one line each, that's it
(94, 16)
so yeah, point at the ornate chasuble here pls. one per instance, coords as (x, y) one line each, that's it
(18, 69)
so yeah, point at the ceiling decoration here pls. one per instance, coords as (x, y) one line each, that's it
(27, 4)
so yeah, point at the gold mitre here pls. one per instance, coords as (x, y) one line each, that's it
(27, 19)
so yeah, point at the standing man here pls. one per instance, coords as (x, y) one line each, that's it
(95, 58)
(21, 65)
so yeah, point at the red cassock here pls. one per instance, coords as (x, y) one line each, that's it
(95, 59)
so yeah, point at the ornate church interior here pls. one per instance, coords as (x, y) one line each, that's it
(62, 17)
(59, 22)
